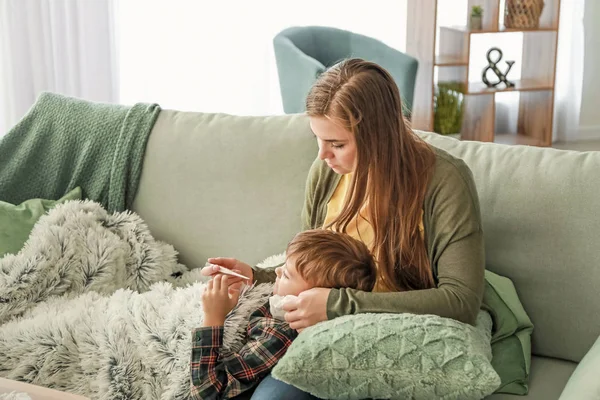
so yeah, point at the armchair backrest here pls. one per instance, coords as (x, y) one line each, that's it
(303, 53)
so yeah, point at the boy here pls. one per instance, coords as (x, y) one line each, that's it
(314, 258)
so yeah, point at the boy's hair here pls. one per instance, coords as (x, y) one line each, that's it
(331, 259)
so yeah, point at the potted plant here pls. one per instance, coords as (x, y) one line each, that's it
(448, 108)
(476, 17)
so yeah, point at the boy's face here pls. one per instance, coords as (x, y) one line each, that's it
(289, 281)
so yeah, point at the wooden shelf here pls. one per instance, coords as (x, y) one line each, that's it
(443, 60)
(466, 30)
(512, 139)
(521, 85)
(444, 54)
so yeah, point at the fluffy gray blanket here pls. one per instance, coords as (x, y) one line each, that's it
(94, 305)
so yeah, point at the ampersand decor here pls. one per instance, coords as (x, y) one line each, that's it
(492, 65)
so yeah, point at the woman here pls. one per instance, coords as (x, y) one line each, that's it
(414, 205)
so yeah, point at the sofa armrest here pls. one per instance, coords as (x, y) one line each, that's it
(584, 383)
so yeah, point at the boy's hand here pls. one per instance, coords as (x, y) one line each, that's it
(216, 300)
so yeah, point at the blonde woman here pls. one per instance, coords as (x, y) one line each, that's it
(414, 206)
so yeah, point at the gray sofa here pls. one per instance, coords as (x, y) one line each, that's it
(221, 185)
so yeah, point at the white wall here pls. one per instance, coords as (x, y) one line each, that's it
(589, 127)
(217, 56)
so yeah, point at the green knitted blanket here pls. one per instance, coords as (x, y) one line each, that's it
(64, 142)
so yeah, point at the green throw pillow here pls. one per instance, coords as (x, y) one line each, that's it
(17, 221)
(584, 383)
(392, 356)
(511, 340)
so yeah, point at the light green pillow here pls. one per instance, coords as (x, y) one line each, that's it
(17, 221)
(392, 356)
(584, 383)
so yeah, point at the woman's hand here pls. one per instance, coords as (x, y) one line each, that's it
(308, 309)
(232, 264)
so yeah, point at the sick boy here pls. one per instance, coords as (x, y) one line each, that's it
(218, 374)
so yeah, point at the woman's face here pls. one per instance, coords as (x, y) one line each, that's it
(337, 146)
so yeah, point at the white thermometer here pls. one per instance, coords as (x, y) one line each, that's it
(229, 272)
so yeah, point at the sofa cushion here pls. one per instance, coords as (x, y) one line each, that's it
(223, 185)
(539, 208)
(547, 380)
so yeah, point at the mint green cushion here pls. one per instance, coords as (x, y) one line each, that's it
(392, 356)
(511, 339)
(17, 221)
(584, 384)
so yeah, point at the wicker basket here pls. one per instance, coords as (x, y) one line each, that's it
(523, 14)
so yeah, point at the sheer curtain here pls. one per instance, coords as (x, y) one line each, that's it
(569, 71)
(64, 46)
(218, 56)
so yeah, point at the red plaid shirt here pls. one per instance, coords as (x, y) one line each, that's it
(218, 374)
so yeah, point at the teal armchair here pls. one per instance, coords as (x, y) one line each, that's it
(302, 53)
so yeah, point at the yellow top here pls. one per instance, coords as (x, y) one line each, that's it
(360, 227)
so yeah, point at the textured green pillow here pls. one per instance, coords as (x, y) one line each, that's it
(17, 221)
(392, 356)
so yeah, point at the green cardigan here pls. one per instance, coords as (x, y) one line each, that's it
(454, 238)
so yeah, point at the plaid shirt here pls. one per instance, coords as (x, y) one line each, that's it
(218, 374)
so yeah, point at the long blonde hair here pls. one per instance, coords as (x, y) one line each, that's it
(393, 167)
